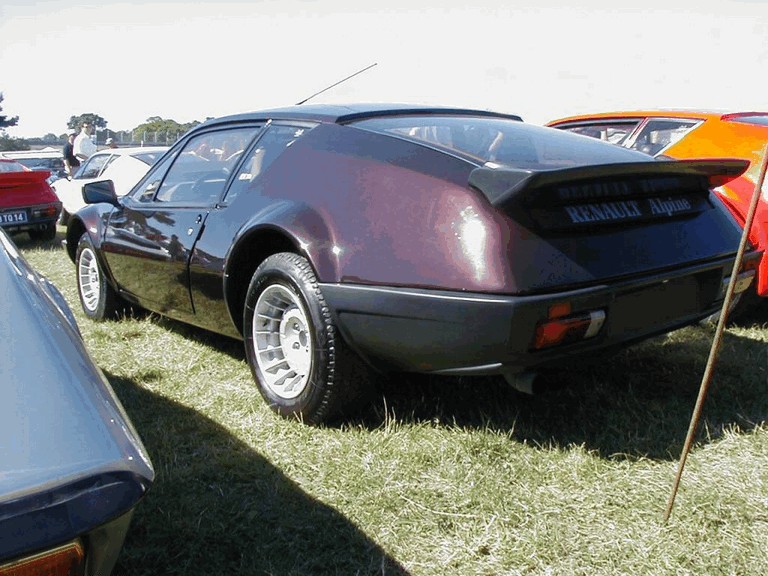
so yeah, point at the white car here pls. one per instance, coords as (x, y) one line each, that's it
(124, 166)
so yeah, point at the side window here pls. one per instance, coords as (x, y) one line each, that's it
(147, 189)
(657, 135)
(275, 141)
(613, 132)
(200, 171)
(93, 167)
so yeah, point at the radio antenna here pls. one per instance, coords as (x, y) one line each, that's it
(337, 83)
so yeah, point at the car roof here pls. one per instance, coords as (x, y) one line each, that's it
(340, 113)
(696, 114)
(132, 150)
(44, 153)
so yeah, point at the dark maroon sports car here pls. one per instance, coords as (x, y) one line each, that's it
(335, 239)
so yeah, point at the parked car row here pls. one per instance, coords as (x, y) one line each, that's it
(683, 134)
(335, 240)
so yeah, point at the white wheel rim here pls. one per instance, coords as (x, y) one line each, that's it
(282, 341)
(88, 278)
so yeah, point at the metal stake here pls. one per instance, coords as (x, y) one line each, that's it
(707, 377)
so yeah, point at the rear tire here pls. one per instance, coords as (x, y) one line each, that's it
(97, 297)
(746, 306)
(298, 359)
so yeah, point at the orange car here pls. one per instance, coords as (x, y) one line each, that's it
(685, 134)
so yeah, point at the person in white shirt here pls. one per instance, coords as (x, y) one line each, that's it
(84, 146)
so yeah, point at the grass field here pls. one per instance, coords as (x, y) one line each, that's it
(442, 476)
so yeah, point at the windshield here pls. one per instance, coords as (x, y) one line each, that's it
(149, 158)
(502, 141)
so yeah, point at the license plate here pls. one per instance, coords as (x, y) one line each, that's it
(12, 217)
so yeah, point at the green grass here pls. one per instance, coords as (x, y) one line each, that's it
(442, 476)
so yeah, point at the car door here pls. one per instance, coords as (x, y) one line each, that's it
(149, 240)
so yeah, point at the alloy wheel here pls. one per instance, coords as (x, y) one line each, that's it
(282, 338)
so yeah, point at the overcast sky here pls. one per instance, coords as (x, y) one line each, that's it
(541, 59)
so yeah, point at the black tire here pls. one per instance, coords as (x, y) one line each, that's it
(98, 298)
(747, 305)
(299, 361)
(45, 235)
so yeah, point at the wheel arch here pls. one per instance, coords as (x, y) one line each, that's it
(250, 250)
(91, 219)
(287, 227)
(75, 229)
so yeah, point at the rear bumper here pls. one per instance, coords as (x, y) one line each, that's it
(38, 225)
(434, 331)
(38, 217)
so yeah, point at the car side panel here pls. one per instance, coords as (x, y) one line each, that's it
(403, 214)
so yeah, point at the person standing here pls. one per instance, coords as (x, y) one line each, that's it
(84, 146)
(111, 143)
(71, 163)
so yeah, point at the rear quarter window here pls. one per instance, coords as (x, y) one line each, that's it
(613, 132)
(657, 135)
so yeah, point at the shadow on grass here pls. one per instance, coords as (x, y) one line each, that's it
(637, 403)
(218, 507)
(24, 242)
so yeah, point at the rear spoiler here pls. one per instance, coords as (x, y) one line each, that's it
(15, 179)
(503, 185)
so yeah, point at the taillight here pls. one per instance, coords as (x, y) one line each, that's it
(49, 211)
(561, 328)
(67, 560)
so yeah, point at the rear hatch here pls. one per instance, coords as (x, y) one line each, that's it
(26, 188)
(592, 224)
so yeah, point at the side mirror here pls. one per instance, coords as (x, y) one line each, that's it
(98, 192)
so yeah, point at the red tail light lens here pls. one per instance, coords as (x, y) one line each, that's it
(568, 329)
(49, 211)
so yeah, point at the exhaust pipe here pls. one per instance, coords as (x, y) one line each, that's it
(521, 381)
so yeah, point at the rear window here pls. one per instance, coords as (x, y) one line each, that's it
(758, 119)
(502, 141)
(658, 134)
(615, 132)
(52, 164)
(14, 166)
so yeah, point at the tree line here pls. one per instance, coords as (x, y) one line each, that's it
(155, 130)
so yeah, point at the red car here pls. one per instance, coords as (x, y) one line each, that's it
(688, 134)
(27, 201)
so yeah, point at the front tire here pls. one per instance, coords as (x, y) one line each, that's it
(97, 297)
(298, 359)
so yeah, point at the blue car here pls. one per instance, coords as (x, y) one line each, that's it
(72, 467)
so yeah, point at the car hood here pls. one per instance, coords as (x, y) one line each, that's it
(70, 458)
